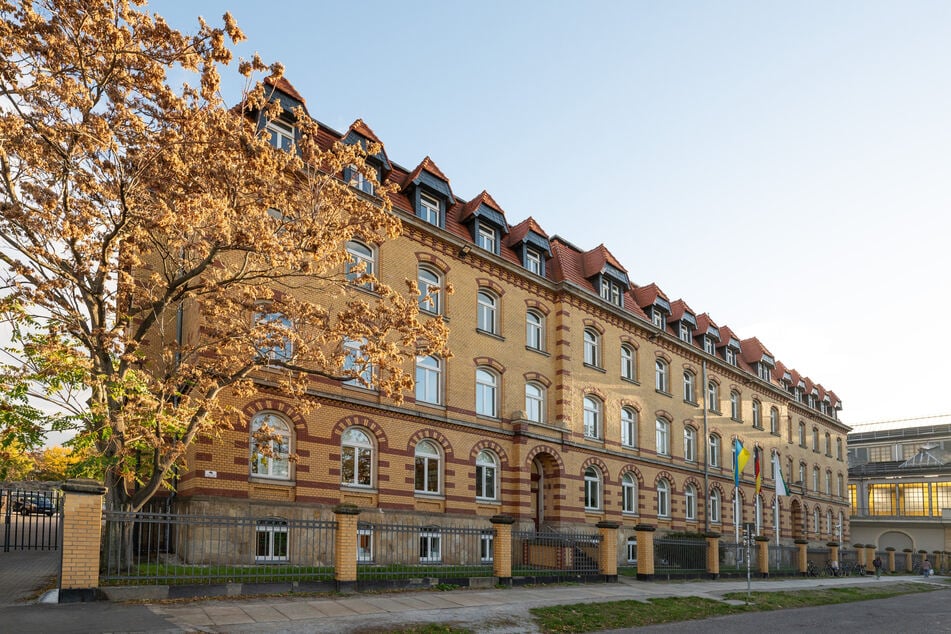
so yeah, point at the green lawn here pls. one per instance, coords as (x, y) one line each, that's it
(590, 617)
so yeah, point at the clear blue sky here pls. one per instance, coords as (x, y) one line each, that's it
(784, 166)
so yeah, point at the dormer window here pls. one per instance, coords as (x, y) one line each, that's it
(429, 209)
(358, 181)
(611, 291)
(659, 318)
(487, 238)
(764, 371)
(709, 345)
(281, 134)
(730, 355)
(685, 332)
(534, 262)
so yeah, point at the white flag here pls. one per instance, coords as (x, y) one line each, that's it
(781, 488)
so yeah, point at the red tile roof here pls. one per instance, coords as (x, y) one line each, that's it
(363, 129)
(482, 199)
(753, 350)
(647, 295)
(593, 261)
(678, 308)
(428, 165)
(519, 231)
(285, 87)
(704, 322)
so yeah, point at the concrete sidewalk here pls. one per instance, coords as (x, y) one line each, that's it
(496, 611)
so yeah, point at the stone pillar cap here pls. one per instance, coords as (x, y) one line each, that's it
(84, 485)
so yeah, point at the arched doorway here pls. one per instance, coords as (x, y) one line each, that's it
(544, 476)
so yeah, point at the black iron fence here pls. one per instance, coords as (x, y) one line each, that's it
(169, 549)
(31, 519)
(679, 557)
(554, 553)
(783, 560)
(400, 551)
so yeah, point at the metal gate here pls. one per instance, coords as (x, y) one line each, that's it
(31, 519)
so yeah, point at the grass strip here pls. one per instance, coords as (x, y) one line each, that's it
(590, 617)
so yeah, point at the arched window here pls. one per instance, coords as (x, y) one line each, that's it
(715, 506)
(815, 520)
(629, 493)
(428, 380)
(690, 502)
(356, 458)
(534, 330)
(690, 444)
(838, 449)
(428, 469)
(774, 420)
(660, 376)
(430, 290)
(361, 265)
(270, 446)
(815, 479)
(734, 405)
(829, 523)
(356, 363)
(628, 427)
(815, 439)
(592, 416)
(628, 363)
(663, 498)
(592, 489)
(534, 402)
(828, 483)
(714, 451)
(486, 475)
(690, 387)
(487, 313)
(487, 393)
(828, 444)
(713, 397)
(662, 437)
(757, 417)
(592, 347)
(273, 343)
(839, 489)
(802, 434)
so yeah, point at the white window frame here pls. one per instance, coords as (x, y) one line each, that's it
(658, 318)
(592, 489)
(628, 362)
(364, 545)
(632, 550)
(690, 387)
(487, 392)
(690, 503)
(429, 209)
(593, 413)
(662, 436)
(535, 402)
(685, 332)
(629, 494)
(629, 426)
(713, 396)
(487, 547)
(715, 506)
(757, 414)
(364, 254)
(277, 467)
(269, 348)
(735, 410)
(773, 420)
(533, 261)
(713, 452)
(354, 355)
(661, 378)
(709, 346)
(276, 545)
(534, 330)
(592, 348)
(429, 380)
(663, 498)
(690, 444)
(281, 134)
(425, 455)
(358, 450)
(487, 237)
(430, 290)
(359, 181)
(487, 476)
(488, 312)
(430, 546)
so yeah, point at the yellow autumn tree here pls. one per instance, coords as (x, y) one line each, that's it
(163, 249)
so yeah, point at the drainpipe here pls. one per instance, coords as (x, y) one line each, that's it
(706, 448)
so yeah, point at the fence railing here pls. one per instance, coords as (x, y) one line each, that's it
(680, 557)
(29, 520)
(398, 551)
(551, 553)
(783, 559)
(733, 557)
(163, 548)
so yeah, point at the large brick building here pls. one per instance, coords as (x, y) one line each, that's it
(573, 395)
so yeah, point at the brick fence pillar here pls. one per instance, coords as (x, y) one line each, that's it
(803, 555)
(860, 555)
(870, 556)
(82, 541)
(909, 559)
(607, 553)
(891, 559)
(345, 547)
(502, 548)
(713, 554)
(645, 551)
(762, 548)
(834, 554)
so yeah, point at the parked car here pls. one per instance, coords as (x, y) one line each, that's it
(34, 503)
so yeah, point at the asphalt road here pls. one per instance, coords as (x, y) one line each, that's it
(926, 612)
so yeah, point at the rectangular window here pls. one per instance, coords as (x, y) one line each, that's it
(708, 346)
(657, 317)
(487, 238)
(282, 134)
(429, 547)
(486, 541)
(685, 332)
(632, 550)
(534, 262)
(429, 209)
(271, 541)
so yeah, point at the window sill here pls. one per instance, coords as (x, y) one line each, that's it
(693, 403)
(632, 381)
(369, 290)
(494, 419)
(488, 501)
(630, 514)
(424, 495)
(596, 439)
(490, 334)
(596, 367)
(663, 393)
(360, 388)
(715, 411)
(736, 420)
(438, 406)
(538, 351)
(629, 447)
(258, 479)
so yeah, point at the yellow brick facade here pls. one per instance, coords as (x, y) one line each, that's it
(541, 465)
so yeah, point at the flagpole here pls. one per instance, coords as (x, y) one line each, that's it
(776, 503)
(736, 493)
